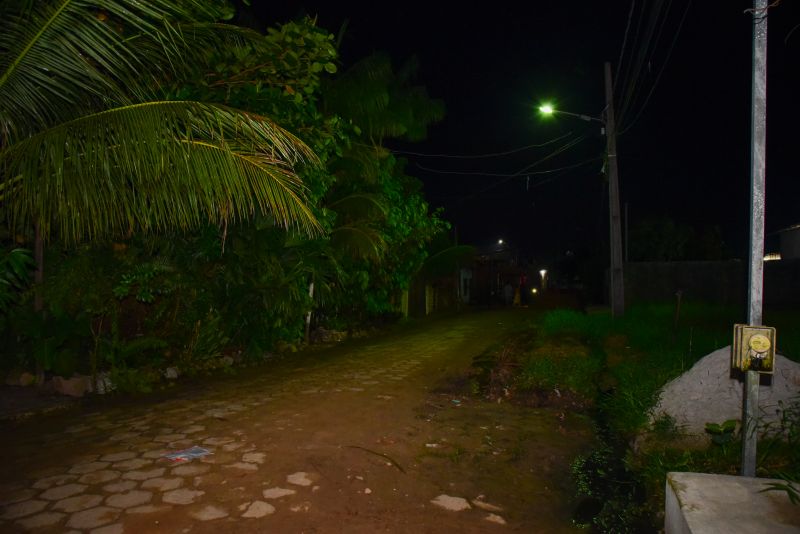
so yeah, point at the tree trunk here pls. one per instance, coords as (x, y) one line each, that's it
(38, 278)
(308, 315)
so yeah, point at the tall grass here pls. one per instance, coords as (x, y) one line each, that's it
(661, 341)
(639, 353)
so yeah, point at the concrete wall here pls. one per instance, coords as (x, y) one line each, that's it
(782, 282)
(716, 281)
(790, 243)
(723, 282)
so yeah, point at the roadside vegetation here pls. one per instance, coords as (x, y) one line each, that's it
(613, 370)
(204, 195)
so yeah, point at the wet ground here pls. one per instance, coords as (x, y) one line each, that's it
(377, 435)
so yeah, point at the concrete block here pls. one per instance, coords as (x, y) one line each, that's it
(701, 503)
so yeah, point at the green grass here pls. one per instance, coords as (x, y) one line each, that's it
(662, 345)
(630, 359)
(621, 365)
(577, 374)
(570, 323)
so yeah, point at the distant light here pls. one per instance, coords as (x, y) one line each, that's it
(534, 290)
(546, 109)
(543, 272)
(499, 241)
(773, 256)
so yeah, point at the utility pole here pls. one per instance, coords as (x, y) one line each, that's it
(757, 187)
(615, 270)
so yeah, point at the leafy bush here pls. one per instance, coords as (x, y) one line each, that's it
(15, 267)
(141, 380)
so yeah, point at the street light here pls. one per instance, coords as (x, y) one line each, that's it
(615, 270)
(548, 111)
(543, 274)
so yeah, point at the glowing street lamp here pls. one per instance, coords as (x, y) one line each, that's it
(617, 286)
(548, 111)
(543, 274)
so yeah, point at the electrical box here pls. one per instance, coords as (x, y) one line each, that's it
(753, 348)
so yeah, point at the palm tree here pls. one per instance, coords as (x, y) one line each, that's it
(87, 149)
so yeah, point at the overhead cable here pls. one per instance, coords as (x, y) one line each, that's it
(633, 82)
(624, 41)
(482, 156)
(520, 172)
(561, 171)
(660, 72)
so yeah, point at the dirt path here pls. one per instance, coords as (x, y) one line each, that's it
(360, 438)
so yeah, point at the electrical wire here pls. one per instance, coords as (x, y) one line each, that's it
(624, 41)
(660, 72)
(654, 25)
(520, 172)
(515, 175)
(561, 171)
(786, 39)
(634, 83)
(625, 68)
(653, 50)
(482, 156)
(638, 58)
(552, 155)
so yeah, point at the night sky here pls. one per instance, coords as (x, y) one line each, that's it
(683, 154)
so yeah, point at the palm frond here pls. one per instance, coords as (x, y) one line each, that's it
(359, 206)
(357, 241)
(59, 56)
(153, 167)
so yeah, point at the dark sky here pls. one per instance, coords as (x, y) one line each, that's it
(683, 155)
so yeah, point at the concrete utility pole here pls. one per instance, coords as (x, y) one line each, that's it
(615, 270)
(757, 186)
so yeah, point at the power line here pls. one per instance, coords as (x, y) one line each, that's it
(552, 155)
(652, 47)
(520, 172)
(637, 62)
(561, 171)
(633, 83)
(624, 80)
(660, 72)
(480, 156)
(507, 177)
(624, 41)
(515, 175)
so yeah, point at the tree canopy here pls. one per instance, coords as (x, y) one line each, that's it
(240, 177)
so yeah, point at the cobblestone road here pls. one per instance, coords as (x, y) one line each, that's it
(334, 441)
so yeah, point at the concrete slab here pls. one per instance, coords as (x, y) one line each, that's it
(701, 503)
